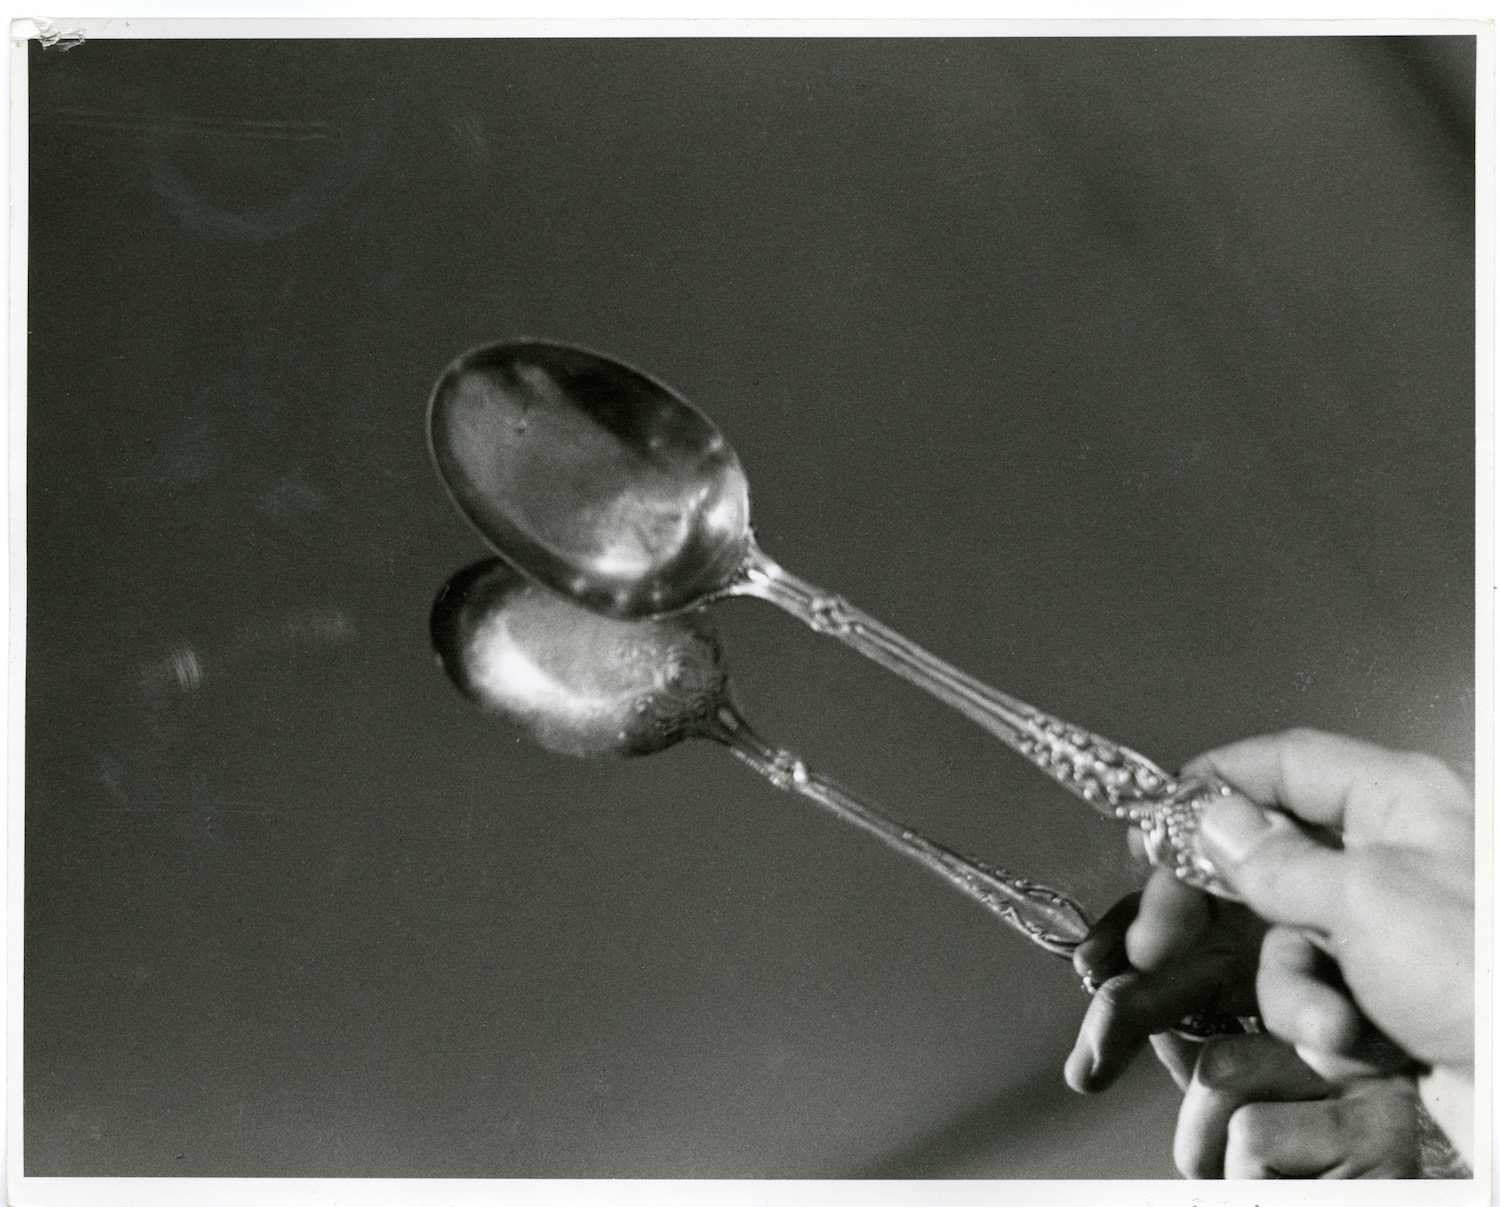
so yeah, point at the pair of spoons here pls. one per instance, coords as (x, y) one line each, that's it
(627, 511)
(605, 486)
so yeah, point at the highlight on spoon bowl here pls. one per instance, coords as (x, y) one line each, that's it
(577, 683)
(604, 485)
(596, 479)
(583, 684)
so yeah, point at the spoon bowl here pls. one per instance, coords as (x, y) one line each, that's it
(583, 684)
(607, 487)
(597, 480)
(577, 683)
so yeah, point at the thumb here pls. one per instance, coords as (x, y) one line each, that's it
(1271, 862)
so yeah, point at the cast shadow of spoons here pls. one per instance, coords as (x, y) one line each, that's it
(587, 685)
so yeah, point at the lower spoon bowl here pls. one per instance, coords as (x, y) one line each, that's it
(605, 485)
(593, 686)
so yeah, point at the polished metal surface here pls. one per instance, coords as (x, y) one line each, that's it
(583, 684)
(594, 478)
(606, 486)
(1135, 375)
(578, 683)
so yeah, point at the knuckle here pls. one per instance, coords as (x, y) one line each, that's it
(1116, 996)
(1342, 1115)
(1301, 743)
(1251, 1129)
(1393, 1113)
(1222, 1065)
(1186, 1156)
(1191, 1145)
(1324, 1027)
(1366, 887)
(1281, 946)
(1257, 877)
(1278, 1014)
(1423, 766)
(1434, 776)
(1278, 1019)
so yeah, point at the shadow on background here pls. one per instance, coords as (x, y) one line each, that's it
(1040, 1128)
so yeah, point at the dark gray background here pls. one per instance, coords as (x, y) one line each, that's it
(1136, 377)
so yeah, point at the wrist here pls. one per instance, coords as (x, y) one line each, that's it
(1448, 1095)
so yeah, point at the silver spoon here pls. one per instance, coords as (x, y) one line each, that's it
(582, 684)
(604, 485)
(594, 686)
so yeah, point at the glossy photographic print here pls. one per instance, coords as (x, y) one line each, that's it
(616, 608)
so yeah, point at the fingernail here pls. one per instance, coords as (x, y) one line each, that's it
(1230, 829)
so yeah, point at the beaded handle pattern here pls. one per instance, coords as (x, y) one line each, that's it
(1113, 779)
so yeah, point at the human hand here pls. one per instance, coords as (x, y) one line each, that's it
(1155, 958)
(1397, 899)
(1394, 908)
(1254, 1109)
(1170, 952)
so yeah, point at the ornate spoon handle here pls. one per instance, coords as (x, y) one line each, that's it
(1045, 916)
(1114, 779)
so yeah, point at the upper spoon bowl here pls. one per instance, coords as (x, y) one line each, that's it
(601, 483)
(594, 478)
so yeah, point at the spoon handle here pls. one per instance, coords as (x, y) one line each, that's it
(1115, 780)
(1046, 916)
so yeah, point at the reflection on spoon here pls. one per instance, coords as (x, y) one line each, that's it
(589, 685)
(604, 485)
